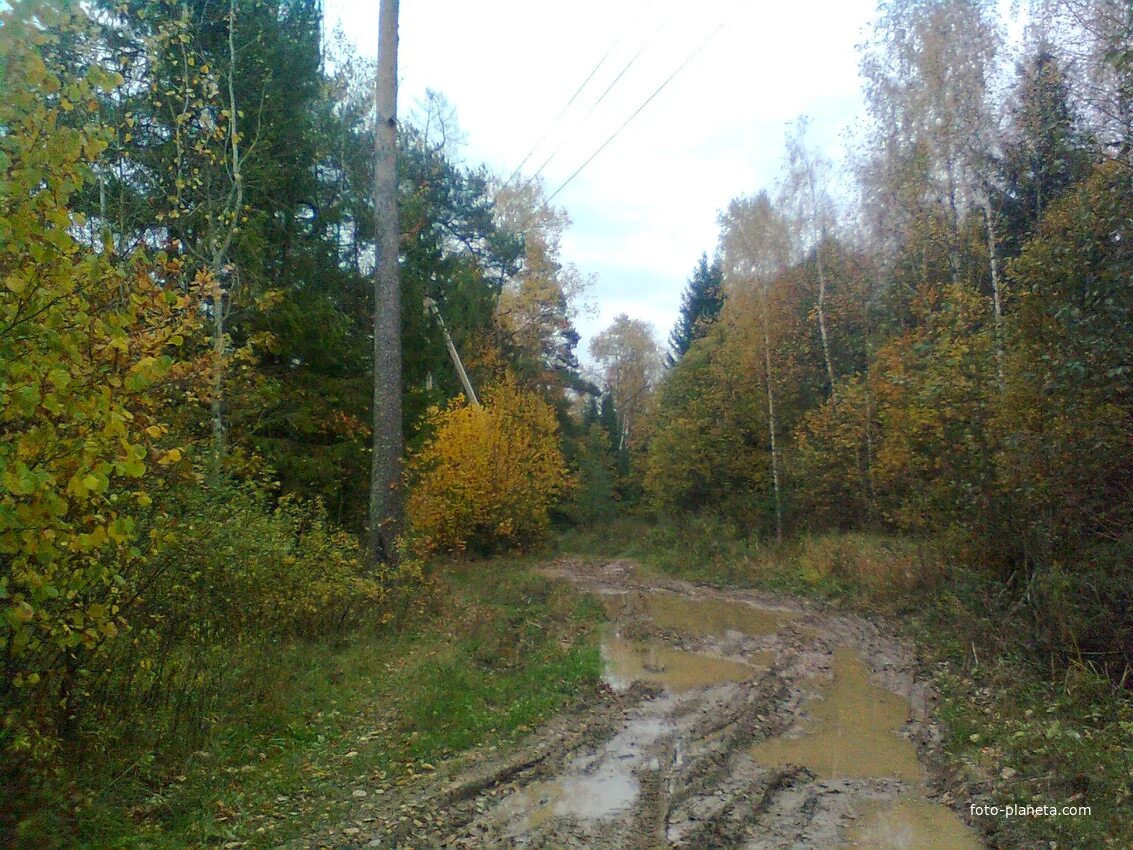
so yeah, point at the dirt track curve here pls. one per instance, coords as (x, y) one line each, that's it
(732, 719)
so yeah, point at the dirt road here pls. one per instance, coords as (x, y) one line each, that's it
(732, 719)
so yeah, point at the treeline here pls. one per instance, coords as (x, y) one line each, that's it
(953, 356)
(186, 243)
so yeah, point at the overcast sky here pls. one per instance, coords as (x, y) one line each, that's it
(646, 207)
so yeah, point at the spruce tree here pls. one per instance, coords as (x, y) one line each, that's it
(700, 305)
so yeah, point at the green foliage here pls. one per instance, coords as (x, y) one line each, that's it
(1067, 412)
(592, 495)
(243, 566)
(84, 347)
(493, 651)
(700, 306)
(708, 450)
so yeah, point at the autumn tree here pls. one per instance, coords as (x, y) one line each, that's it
(85, 345)
(538, 304)
(630, 359)
(806, 190)
(927, 70)
(756, 249)
(489, 475)
(1096, 37)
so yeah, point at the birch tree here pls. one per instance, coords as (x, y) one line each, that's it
(927, 71)
(807, 179)
(631, 363)
(756, 249)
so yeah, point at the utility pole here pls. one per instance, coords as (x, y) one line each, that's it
(469, 393)
(385, 474)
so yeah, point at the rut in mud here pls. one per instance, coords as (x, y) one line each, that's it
(732, 719)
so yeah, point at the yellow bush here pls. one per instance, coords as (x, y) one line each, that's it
(489, 474)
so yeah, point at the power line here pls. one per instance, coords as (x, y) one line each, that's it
(639, 109)
(601, 97)
(563, 111)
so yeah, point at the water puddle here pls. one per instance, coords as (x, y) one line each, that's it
(910, 825)
(585, 797)
(629, 661)
(698, 616)
(598, 786)
(852, 733)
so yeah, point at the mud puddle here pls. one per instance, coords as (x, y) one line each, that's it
(698, 617)
(910, 825)
(853, 731)
(732, 719)
(677, 670)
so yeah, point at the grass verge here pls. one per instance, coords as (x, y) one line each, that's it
(497, 650)
(1017, 731)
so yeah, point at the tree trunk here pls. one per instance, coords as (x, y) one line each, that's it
(220, 247)
(995, 295)
(216, 391)
(385, 476)
(822, 313)
(772, 427)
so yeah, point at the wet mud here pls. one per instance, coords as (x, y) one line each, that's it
(729, 719)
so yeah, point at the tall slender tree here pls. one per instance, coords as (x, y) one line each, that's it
(756, 251)
(807, 176)
(385, 477)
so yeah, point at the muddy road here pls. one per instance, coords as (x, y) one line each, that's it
(731, 719)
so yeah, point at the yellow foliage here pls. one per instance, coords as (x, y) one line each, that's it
(489, 475)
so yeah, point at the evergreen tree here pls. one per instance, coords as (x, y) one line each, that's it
(1048, 152)
(700, 305)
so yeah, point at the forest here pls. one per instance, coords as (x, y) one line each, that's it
(927, 347)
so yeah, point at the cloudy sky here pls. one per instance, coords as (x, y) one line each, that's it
(645, 208)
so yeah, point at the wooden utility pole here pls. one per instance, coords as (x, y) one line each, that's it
(385, 475)
(469, 392)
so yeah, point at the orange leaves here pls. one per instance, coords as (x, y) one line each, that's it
(489, 475)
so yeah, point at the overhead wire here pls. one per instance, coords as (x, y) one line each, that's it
(570, 102)
(684, 64)
(558, 118)
(613, 83)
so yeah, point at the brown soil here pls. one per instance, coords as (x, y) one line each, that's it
(730, 719)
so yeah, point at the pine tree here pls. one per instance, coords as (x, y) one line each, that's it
(700, 305)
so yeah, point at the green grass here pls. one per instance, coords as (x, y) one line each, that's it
(497, 651)
(1018, 730)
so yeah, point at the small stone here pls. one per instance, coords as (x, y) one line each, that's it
(1007, 773)
(351, 830)
(359, 792)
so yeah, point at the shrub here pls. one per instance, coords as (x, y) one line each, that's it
(489, 474)
(84, 349)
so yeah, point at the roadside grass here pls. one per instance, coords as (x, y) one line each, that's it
(496, 650)
(1018, 731)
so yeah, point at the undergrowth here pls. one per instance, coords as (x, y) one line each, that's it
(494, 651)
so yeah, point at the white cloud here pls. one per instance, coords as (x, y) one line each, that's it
(646, 207)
